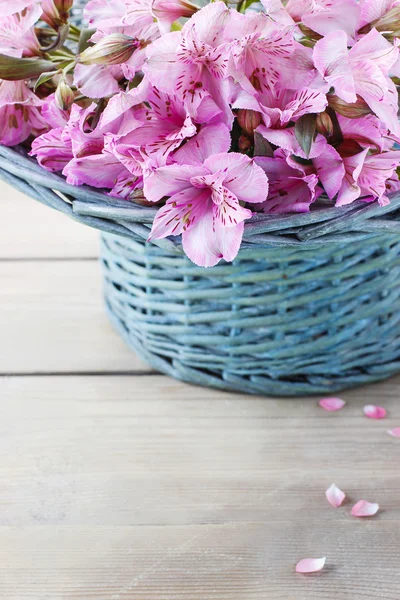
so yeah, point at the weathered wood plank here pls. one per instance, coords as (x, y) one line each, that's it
(30, 230)
(52, 319)
(236, 561)
(139, 451)
(144, 488)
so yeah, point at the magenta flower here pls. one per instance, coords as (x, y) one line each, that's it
(361, 71)
(19, 113)
(368, 175)
(53, 115)
(204, 204)
(291, 188)
(192, 63)
(52, 150)
(279, 109)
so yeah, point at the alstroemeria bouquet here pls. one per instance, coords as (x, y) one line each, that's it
(209, 112)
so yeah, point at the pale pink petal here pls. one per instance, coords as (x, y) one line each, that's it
(375, 48)
(211, 139)
(343, 15)
(332, 60)
(335, 496)
(304, 101)
(374, 412)
(330, 169)
(394, 432)
(242, 176)
(180, 212)
(331, 404)
(99, 170)
(372, 10)
(8, 7)
(89, 79)
(364, 509)
(207, 242)
(169, 180)
(310, 565)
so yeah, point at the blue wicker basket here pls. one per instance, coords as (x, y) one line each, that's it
(310, 305)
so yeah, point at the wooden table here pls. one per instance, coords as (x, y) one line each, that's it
(119, 483)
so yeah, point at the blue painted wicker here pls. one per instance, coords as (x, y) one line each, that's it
(310, 305)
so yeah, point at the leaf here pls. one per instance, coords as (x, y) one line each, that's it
(261, 146)
(15, 69)
(84, 42)
(43, 78)
(305, 131)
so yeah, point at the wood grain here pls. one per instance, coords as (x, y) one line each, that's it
(52, 319)
(30, 230)
(146, 488)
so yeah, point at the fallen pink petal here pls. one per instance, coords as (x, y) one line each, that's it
(332, 404)
(335, 496)
(374, 412)
(310, 565)
(364, 509)
(394, 432)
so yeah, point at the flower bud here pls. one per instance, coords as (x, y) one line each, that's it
(113, 49)
(244, 143)
(349, 148)
(351, 111)
(16, 69)
(248, 120)
(324, 124)
(56, 12)
(64, 97)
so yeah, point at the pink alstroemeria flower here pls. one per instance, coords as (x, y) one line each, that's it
(204, 204)
(52, 151)
(19, 113)
(52, 114)
(17, 33)
(325, 16)
(264, 55)
(279, 109)
(363, 70)
(367, 175)
(291, 188)
(192, 63)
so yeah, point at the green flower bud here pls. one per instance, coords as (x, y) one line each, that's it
(114, 49)
(16, 69)
(64, 97)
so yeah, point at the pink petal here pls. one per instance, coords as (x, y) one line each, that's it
(332, 61)
(310, 565)
(335, 496)
(211, 139)
(394, 432)
(374, 412)
(364, 509)
(331, 404)
(243, 177)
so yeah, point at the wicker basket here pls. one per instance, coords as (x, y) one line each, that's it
(310, 305)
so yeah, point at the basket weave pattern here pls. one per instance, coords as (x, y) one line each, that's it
(310, 305)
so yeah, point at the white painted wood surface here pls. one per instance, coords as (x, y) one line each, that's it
(118, 485)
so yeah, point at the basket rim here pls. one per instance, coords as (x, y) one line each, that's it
(125, 217)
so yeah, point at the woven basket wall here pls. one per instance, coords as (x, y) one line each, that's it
(310, 305)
